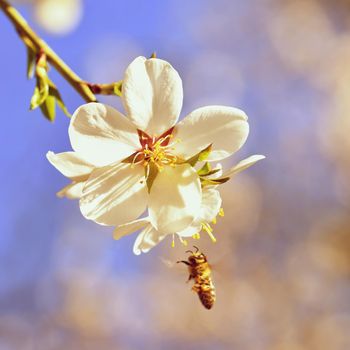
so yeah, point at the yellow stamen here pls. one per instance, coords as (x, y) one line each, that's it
(212, 237)
(159, 154)
(214, 221)
(173, 242)
(134, 159)
(196, 236)
(221, 212)
(159, 167)
(206, 227)
(169, 136)
(183, 241)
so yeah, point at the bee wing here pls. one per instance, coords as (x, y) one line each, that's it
(167, 262)
(178, 269)
(221, 266)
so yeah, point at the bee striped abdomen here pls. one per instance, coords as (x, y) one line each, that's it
(206, 292)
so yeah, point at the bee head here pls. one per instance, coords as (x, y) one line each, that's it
(197, 258)
(201, 258)
(192, 259)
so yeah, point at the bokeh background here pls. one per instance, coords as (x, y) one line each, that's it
(282, 260)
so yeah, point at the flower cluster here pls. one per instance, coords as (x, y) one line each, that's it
(124, 166)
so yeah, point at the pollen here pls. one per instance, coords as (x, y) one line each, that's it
(196, 236)
(221, 212)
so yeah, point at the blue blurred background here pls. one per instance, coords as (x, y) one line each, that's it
(282, 260)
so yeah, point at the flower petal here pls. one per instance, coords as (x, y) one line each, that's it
(147, 239)
(243, 164)
(72, 191)
(210, 206)
(152, 95)
(130, 227)
(226, 128)
(101, 134)
(219, 173)
(114, 195)
(70, 164)
(191, 230)
(175, 198)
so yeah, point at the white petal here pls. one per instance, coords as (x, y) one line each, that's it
(219, 173)
(114, 195)
(243, 164)
(101, 134)
(70, 164)
(152, 95)
(147, 239)
(226, 128)
(130, 227)
(175, 198)
(72, 191)
(210, 206)
(191, 230)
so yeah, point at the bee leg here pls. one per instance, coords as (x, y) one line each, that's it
(196, 288)
(183, 261)
(189, 278)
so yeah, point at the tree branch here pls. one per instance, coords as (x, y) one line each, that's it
(34, 42)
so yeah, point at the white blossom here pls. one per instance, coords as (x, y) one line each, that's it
(123, 165)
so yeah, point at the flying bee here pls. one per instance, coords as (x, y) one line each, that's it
(200, 271)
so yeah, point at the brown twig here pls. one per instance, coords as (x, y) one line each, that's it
(35, 43)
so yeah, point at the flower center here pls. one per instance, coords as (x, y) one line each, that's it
(154, 151)
(158, 154)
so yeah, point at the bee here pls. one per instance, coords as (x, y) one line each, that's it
(200, 271)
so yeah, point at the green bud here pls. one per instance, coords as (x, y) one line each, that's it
(118, 88)
(31, 56)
